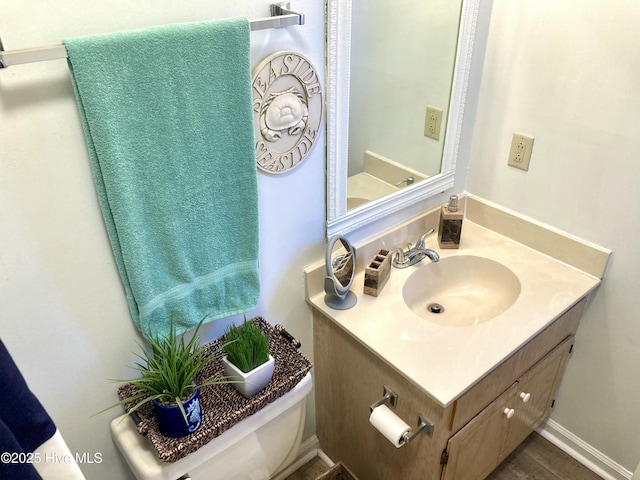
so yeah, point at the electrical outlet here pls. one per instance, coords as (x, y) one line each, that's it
(520, 153)
(432, 122)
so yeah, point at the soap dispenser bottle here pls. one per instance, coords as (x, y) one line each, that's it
(450, 224)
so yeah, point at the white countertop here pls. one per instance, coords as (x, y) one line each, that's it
(445, 361)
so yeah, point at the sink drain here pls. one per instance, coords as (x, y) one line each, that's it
(435, 308)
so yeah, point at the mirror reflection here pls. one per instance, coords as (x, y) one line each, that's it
(401, 71)
(342, 262)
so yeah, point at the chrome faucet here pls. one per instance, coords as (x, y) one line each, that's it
(408, 181)
(411, 256)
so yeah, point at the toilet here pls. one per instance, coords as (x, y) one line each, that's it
(255, 448)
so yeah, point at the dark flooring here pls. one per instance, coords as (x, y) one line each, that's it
(535, 459)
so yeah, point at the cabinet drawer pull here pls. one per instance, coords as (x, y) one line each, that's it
(509, 412)
(525, 397)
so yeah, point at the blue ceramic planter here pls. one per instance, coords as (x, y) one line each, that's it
(171, 422)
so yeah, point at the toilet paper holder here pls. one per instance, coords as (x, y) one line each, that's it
(391, 398)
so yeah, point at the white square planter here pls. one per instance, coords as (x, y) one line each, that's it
(251, 382)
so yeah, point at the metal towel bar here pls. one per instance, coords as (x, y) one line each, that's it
(280, 17)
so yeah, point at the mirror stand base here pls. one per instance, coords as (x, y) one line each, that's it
(341, 303)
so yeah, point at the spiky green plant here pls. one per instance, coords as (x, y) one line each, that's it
(247, 346)
(167, 371)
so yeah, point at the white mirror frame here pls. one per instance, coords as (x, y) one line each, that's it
(339, 221)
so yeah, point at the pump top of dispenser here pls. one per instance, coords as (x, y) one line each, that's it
(452, 206)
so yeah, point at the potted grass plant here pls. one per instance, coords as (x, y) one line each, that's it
(168, 370)
(247, 363)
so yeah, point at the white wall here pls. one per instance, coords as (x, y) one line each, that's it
(64, 315)
(567, 73)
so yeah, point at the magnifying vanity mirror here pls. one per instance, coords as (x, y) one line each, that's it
(396, 87)
(340, 261)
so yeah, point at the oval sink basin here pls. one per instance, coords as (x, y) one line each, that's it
(353, 202)
(461, 290)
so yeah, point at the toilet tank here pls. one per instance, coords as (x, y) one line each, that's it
(253, 449)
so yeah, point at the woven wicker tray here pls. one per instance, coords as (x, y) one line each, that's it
(222, 406)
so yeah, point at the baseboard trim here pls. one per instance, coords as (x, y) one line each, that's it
(309, 449)
(323, 456)
(584, 453)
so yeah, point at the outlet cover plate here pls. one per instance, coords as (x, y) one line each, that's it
(520, 153)
(432, 122)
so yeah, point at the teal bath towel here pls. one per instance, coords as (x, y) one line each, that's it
(167, 115)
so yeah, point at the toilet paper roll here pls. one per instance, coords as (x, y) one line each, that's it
(389, 425)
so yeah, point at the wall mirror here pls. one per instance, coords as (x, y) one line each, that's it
(386, 64)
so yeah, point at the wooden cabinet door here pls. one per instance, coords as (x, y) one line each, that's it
(495, 432)
(538, 387)
(473, 452)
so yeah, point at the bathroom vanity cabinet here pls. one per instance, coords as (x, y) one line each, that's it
(472, 434)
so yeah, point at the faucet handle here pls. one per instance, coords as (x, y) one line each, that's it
(398, 254)
(398, 257)
(421, 240)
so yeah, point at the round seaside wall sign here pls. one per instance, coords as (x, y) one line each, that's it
(287, 110)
